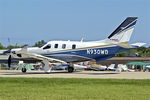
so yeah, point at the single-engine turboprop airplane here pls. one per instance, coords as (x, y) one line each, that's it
(70, 52)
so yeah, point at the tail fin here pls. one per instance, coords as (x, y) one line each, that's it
(124, 31)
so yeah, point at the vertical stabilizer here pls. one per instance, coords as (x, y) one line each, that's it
(124, 31)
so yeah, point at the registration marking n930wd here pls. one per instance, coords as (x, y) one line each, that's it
(97, 51)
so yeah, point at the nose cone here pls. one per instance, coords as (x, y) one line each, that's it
(7, 51)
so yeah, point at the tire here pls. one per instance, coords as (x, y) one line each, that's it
(70, 69)
(24, 70)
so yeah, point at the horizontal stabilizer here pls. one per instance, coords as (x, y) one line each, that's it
(130, 46)
(138, 44)
(125, 45)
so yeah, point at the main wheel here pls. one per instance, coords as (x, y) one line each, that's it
(70, 69)
(24, 70)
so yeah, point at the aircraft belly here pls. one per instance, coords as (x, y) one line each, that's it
(68, 58)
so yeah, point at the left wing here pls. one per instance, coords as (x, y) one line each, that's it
(46, 60)
(24, 52)
(40, 57)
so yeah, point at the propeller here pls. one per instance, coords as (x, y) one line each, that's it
(9, 61)
(8, 52)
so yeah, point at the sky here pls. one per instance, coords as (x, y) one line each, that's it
(28, 21)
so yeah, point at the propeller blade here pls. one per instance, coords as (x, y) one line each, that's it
(9, 61)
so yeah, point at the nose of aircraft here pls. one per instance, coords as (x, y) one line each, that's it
(9, 58)
(7, 51)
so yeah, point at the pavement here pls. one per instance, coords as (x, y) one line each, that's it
(79, 74)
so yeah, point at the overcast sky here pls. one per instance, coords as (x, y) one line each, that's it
(27, 21)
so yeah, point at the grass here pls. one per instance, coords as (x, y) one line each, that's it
(73, 89)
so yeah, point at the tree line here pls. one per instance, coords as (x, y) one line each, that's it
(139, 52)
(37, 44)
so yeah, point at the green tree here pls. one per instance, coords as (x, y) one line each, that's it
(39, 43)
(142, 52)
(1, 46)
(12, 46)
(121, 54)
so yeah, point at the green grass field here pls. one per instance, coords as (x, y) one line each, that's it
(73, 89)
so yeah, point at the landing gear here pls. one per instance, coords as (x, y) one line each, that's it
(70, 68)
(47, 66)
(24, 70)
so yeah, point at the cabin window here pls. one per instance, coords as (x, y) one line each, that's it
(47, 46)
(73, 46)
(63, 46)
(56, 46)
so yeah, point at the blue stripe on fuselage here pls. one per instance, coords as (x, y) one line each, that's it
(92, 53)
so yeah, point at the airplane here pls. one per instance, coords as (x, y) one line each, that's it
(71, 52)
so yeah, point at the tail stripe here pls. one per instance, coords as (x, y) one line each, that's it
(129, 22)
(132, 24)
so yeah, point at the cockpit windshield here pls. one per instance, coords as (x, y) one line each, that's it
(48, 46)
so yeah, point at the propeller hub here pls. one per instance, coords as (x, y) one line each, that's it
(9, 51)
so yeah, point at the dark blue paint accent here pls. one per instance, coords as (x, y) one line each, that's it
(132, 24)
(78, 54)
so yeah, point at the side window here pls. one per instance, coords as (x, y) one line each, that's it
(63, 46)
(56, 46)
(73, 46)
(47, 46)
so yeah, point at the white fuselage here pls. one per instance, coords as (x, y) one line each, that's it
(53, 47)
(69, 44)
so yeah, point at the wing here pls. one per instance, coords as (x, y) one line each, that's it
(41, 57)
(24, 52)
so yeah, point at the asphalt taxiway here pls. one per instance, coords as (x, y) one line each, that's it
(79, 74)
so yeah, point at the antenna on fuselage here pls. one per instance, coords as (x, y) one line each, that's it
(82, 39)
(9, 41)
